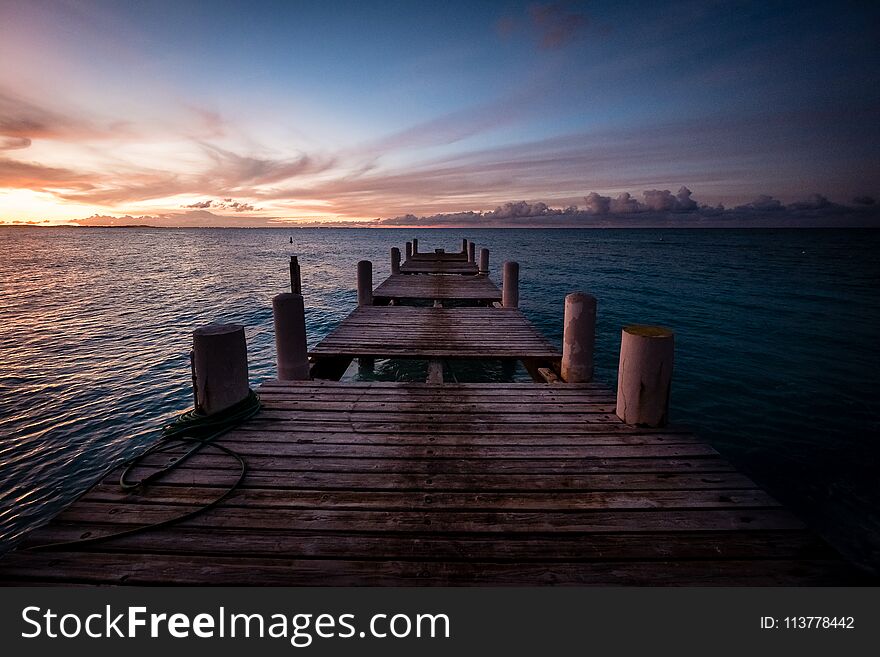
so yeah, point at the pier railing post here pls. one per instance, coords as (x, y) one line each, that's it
(295, 276)
(221, 367)
(408, 250)
(472, 250)
(645, 375)
(365, 283)
(484, 261)
(291, 354)
(510, 285)
(578, 338)
(415, 244)
(395, 260)
(464, 245)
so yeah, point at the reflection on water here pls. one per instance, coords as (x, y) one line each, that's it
(775, 341)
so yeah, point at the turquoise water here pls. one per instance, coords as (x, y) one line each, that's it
(776, 359)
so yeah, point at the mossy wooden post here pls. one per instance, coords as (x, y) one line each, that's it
(578, 338)
(645, 375)
(415, 244)
(365, 283)
(295, 276)
(395, 260)
(408, 250)
(484, 261)
(221, 367)
(472, 251)
(291, 355)
(464, 245)
(510, 285)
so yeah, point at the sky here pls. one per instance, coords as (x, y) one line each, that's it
(436, 113)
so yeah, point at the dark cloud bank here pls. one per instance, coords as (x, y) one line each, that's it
(660, 208)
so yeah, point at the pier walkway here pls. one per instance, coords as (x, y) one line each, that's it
(392, 483)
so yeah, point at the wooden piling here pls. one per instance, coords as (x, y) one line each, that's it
(578, 338)
(484, 261)
(415, 244)
(472, 252)
(409, 250)
(291, 354)
(221, 367)
(365, 283)
(295, 276)
(464, 245)
(510, 285)
(395, 260)
(645, 375)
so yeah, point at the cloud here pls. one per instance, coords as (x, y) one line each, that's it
(22, 122)
(225, 204)
(664, 201)
(864, 200)
(29, 175)
(762, 203)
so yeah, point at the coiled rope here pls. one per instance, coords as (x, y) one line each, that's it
(192, 428)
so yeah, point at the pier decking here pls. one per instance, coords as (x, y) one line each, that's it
(400, 287)
(389, 483)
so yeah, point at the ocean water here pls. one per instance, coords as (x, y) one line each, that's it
(776, 354)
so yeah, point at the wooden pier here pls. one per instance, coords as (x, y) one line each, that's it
(391, 483)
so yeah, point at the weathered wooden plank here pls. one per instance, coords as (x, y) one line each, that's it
(438, 547)
(457, 452)
(442, 521)
(254, 498)
(535, 440)
(430, 466)
(111, 568)
(509, 483)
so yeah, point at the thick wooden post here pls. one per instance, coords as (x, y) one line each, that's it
(578, 338)
(464, 244)
(291, 354)
(415, 245)
(408, 250)
(472, 250)
(645, 375)
(510, 285)
(221, 367)
(484, 261)
(395, 260)
(295, 276)
(365, 283)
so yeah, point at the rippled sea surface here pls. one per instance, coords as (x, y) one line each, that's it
(776, 341)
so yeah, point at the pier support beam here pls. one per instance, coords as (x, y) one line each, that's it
(472, 250)
(408, 250)
(365, 283)
(415, 244)
(290, 337)
(645, 375)
(484, 261)
(510, 285)
(395, 260)
(220, 367)
(295, 276)
(578, 338)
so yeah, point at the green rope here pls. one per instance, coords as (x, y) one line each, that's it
(190, 428)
